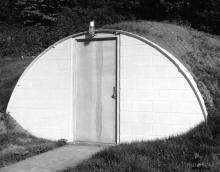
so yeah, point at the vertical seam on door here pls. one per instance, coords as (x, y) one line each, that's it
(74, 91)
(71, 90)
(118, 88)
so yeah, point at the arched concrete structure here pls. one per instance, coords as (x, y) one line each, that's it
(116, 87)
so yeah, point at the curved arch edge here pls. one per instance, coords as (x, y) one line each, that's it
(182, 69)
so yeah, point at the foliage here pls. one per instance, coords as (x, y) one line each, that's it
(201, 14)
(46, 21)
(45, 12)
(35, 11)
(61, 142)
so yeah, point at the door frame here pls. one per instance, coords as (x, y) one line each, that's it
(117, 86)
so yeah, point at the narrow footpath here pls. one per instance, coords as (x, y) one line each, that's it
(58, 159)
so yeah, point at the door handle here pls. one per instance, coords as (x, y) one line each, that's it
(114, 95)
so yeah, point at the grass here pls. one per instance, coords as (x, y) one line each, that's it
(10, 71)
(194, 150)
(17, 144)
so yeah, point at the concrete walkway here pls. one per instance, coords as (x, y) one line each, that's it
(58, 159)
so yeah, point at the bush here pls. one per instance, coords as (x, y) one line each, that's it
(61, 142)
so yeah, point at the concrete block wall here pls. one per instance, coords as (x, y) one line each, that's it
(41, 100)
(156, 99)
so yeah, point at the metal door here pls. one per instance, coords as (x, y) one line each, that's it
(96, 91)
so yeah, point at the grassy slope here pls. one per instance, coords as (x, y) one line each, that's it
(17, 144)
(10, 71)
(199, 148)
(194, 150)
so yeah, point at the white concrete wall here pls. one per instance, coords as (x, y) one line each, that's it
(41, 100)
(156, 100)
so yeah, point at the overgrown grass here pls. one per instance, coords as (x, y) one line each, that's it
(17, 144)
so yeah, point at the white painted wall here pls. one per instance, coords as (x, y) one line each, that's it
(156, 99)
(41, 100)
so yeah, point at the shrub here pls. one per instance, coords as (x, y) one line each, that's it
(61, 142)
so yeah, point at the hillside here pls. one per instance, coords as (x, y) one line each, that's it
(200, 52)
(198, 149)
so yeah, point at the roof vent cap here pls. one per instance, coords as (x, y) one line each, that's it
(92, 28)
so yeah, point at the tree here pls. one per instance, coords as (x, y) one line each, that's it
(36, 11)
